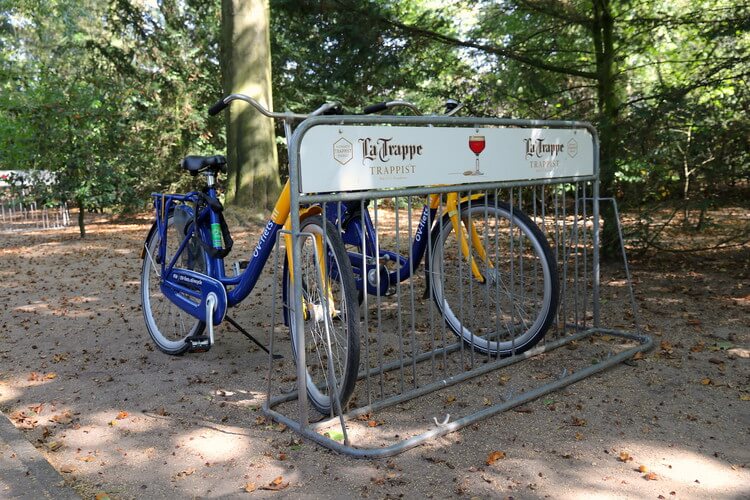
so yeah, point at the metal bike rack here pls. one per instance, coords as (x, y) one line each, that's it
(18, 215)
(409, 357)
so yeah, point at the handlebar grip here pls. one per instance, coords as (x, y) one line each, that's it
(218, 107)
(335, 109)
(375, 108)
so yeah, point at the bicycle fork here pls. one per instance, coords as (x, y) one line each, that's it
(468, 236)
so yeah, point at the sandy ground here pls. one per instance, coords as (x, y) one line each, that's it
(80, 377)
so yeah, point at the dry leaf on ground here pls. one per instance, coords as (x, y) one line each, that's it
(495, 456)
(276, 485)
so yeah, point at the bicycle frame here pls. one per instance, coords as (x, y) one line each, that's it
(243, 284)
(360, 232)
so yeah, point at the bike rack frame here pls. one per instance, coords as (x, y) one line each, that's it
(302, 424)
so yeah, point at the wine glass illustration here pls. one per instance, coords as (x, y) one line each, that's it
(476, 144)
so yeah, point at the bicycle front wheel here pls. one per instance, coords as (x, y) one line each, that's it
(503, 300)
(167, 324)
(330, 315)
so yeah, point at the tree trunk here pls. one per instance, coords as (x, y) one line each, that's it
(253, 178)
(81, 214)
(609, 101)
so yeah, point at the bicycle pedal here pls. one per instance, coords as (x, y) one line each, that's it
(199, 344)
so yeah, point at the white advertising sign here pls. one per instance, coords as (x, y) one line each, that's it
(335, 158)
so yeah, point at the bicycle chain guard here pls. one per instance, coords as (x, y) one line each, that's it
(189, 291)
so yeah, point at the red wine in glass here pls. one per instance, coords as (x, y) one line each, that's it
(476, 144)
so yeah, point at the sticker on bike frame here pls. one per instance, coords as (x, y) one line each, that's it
(336, 158)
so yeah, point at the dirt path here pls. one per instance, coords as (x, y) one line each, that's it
(79, 375)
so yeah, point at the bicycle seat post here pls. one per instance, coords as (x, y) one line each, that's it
(210, 178)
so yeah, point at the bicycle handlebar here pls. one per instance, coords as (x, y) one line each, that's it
(334, 107)
(222, 103)
(375, 108)
(451, 107)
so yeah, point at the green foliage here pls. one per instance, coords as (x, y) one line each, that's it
(110, 96)
(106, 96)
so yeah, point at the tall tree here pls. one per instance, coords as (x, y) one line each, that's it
(246, 67)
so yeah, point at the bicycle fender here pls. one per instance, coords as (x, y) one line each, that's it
(189, 291)
(148, 238)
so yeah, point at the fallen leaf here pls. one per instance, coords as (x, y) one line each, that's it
(450, 399)
(578, 422)
(37, 408)
(372, 423)
(50, 376)
(87, 458)
(276, 485)
(744, 397)
(101, 496)
(67, 469)
(642, 468)
(335, 435)
(122, 415)
(651, 476)
(63, 418)
(624, 456)
(54, 445)
(637, 356)
(186, 472)
(495, 456)
(698, 347)
(59, 357)
(34, 377)
(282, 456)
(706, 381)
(579, 436)
(250, 487)
(523, 409)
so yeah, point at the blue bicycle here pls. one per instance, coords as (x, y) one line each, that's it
(185, 288)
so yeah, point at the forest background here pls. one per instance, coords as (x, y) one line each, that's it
(111, 95)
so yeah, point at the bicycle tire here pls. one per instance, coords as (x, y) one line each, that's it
(514, 312)
(343, 323)
(168, 325)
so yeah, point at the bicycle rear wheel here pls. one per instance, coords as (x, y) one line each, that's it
(167, 324)
(508, 303)
(329, 311)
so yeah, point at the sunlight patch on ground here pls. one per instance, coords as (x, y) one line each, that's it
(216, 445)
(698, 471)
(8, 393)
(30, 379)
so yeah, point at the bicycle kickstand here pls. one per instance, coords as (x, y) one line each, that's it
(249, 336)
